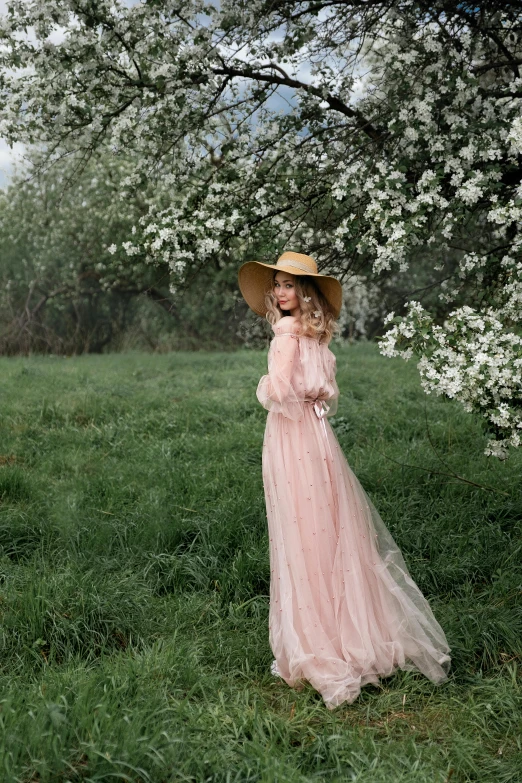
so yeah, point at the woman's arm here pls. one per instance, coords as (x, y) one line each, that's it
(275, 390)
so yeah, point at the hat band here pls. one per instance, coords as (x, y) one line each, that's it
(297, 265)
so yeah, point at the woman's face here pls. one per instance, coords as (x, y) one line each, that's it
(284, 291)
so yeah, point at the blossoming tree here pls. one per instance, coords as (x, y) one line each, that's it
(364, 132)
(66, 284)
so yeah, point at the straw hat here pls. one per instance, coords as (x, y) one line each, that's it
(254, 279)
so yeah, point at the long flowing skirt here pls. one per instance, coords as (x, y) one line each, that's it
(344, 610)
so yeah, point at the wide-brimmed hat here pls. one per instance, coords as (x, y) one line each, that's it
(254, 278)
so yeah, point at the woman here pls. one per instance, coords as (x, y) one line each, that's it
(344, 610)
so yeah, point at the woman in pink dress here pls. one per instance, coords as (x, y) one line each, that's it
(344, 610)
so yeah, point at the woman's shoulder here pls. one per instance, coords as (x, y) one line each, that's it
(288, 323)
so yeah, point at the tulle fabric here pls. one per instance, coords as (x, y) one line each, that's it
(344, 610)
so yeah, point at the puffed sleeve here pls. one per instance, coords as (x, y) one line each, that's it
(275, 390)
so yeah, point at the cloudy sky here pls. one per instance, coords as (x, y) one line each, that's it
(7, 158)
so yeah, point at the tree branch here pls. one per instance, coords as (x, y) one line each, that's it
(496, 65)
(333, 101)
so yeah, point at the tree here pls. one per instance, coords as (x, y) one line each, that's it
(65, 285)
(405, 136)
(66, 282)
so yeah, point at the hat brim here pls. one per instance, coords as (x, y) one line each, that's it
(254, 279)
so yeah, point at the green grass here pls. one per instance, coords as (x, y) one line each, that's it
(135, 576)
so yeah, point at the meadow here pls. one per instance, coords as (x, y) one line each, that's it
(135, 578)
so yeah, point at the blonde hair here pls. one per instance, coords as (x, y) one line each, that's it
(323, 327)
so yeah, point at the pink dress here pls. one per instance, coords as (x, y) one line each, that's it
(344, 610)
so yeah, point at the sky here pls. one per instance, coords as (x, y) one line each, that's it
(8, 157)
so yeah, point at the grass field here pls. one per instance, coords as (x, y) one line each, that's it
(135, 577)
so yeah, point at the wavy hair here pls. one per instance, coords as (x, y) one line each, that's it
(322, 327)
